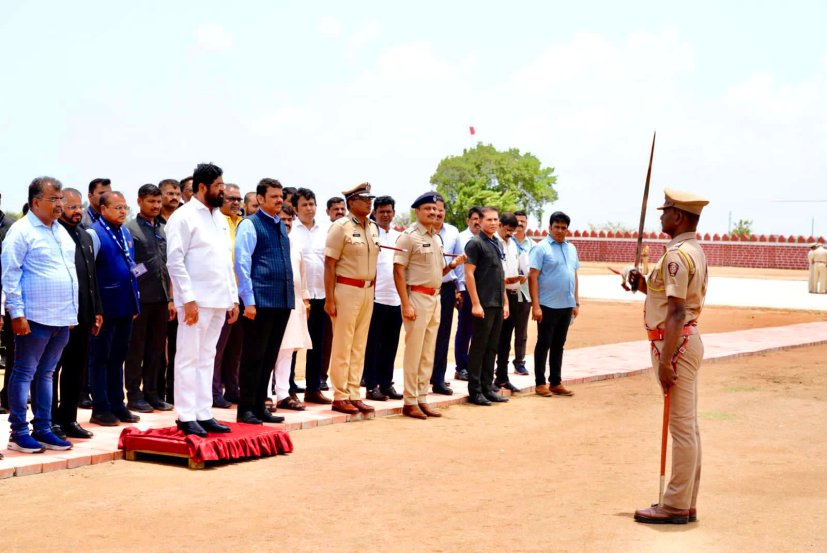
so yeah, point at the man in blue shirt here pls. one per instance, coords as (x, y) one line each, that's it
(41, 287)
(265, 286)
(552, 281)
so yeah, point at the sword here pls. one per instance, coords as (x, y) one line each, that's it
(639, 247)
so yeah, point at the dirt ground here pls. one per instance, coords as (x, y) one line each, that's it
(534, 474)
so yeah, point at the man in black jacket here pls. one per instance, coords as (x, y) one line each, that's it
(68, 377)
(6, 337)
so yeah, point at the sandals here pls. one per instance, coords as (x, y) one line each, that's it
(292, 404)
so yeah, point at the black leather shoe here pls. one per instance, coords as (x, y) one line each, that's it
(479, 399)
(191, 427)
(298, 390)
(442, 389)
(509, 386)
(247, 417)
(104, 418)
(495, 397)
(85, 402)
(461, 375)
(125, 416)
(3, 410)
(391, 392)
(220, 403)
(140, 405)
(74, 430)
(376, 394)
(212, 425)
(58, 431)
(324, 387)
(160, 405)
(270, 418)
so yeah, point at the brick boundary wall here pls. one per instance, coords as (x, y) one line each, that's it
(764, 252)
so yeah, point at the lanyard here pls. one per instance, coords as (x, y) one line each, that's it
(519, 247)
(493, 242)
(121, 244)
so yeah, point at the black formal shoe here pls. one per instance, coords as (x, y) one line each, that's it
(58, 431)
(461, 375)
(298, 390)
(442, 389)
(324, 387)
(220, 403)
(270, 418)
(191, 427)
(3, 410)
(104, 418)
(391, 392)
(232, 398)
(74, 430)
(375, 394)
(247, 417)
(478, 399)
(161, 405)
(139, 405)
(494, 397)
(85, 402)
(509, 386)
(212, 425)
(124, 415)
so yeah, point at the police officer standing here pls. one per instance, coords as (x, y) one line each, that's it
(351, 252)
(675, 292)
(417, 272)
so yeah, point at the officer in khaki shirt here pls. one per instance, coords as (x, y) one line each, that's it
(675, 292)
(417, 272)
(351, 251)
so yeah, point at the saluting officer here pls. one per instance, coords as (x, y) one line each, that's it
(351, 251)
(417, 272)
(675, 292)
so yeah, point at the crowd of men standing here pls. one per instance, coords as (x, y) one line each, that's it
(204, 298)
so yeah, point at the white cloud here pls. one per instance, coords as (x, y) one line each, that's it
(213, 37)
(330, 27)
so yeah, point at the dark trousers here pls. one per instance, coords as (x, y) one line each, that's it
(227, 361)
(465, 331)
(318, 325)
(294, 388)
(69, 372)
(146, 352)
(447, 296)
(7, 338)
(551, 337)
(262, 340)
(483, 350)
(521, 317)
(106, 358)
(383, 341)
(166, 374)
(516, 309)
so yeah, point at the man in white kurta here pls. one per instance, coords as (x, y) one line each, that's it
(205, 294)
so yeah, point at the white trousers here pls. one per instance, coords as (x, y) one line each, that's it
(281, 374)
(194, 363)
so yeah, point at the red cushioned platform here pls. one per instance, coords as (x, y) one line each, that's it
(244, 442)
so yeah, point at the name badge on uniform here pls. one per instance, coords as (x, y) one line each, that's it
(426, 245)
(139, 270)
(356, 235)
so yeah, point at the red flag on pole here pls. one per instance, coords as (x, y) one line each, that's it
(472, 130)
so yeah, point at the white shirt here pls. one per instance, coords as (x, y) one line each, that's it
(464, 237)
(312, 242)
(524, 248)
(511, 263)
(198, 257)
(450, 244)
(385, 292)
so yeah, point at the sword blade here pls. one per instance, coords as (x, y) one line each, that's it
(639, 247)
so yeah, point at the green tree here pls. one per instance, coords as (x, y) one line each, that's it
(743, 228)
(483, 175)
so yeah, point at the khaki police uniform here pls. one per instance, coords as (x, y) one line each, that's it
(820, 270)
(423, 261)
(811, 280)
(356, 249)
(680, 273)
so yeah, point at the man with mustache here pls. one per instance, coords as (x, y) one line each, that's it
(204, 291)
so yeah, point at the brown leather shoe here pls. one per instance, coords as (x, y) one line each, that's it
(344, 406)
(316, 397)
(693, 513)
(662, 515)
(425, 408)
(413, 411)
(361, 406)
(560, 390)
(542, 390)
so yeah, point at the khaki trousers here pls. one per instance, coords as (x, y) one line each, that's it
(420, 344)
(682, 491)
(820, 278)
(354, 307)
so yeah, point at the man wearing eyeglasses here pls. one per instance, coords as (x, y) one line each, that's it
(351, 253)
(225, 389)
(41, 287)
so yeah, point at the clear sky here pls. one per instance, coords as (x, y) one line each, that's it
(328, 94)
